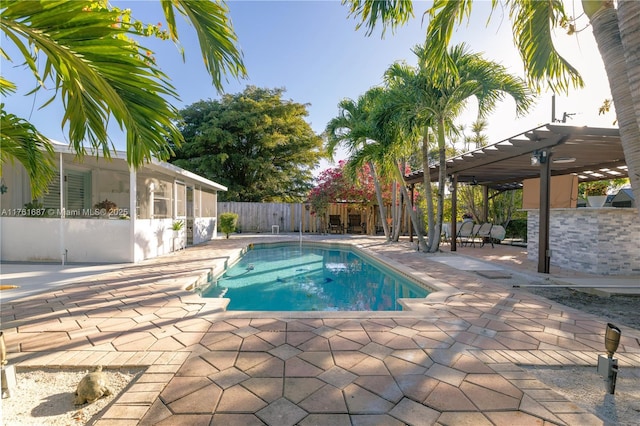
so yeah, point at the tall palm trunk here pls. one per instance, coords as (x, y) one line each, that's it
(629, 24)
(427, 190)
(397, 223)
(383, 214)
(422, 244)
(434, 240)
(607, 34)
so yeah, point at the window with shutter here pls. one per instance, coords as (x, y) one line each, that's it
(51, 198)
(77, 196)
(78, 190)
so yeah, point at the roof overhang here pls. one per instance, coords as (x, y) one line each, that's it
(155, 165)
(588, 152)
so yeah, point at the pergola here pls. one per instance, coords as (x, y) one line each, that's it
(548, 150)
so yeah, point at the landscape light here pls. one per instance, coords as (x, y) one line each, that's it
(608, 366)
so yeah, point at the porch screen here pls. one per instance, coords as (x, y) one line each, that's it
(181, 196)
(209, 204)
(162, 200)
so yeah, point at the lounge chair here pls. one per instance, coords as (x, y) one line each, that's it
(335, 224)
(465, 233)
(484, 233)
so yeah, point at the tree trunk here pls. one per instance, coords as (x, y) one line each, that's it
(394, 211)
(607, 35)
(397, 223)
(427, 189)
(383, 215)
(629, 24)
(422, 244)
(434, 244)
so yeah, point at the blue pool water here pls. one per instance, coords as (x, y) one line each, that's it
(299, 278)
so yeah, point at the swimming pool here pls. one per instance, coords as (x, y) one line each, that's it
(296, 277)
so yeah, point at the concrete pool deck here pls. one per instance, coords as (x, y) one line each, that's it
(456, 358)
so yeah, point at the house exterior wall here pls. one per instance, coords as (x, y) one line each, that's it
(87, 234)
(85, 240)
(602, 241)
(153, 237)
(204, 229)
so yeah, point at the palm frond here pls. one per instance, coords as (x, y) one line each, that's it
(445, 15)
(533, 23)
(218, 41)
(391, 14)
(20, 141)
(98, 73)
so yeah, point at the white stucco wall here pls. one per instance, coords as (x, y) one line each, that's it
(85, 240)
(153, 237)
(204, 229)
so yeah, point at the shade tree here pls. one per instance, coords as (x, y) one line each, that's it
(257, 143)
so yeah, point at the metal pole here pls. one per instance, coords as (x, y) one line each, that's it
(544, 252)
(63, 251)
(454, 213)
(412, 206)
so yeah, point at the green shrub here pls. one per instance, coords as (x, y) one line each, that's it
(228, 223)
(517, 228)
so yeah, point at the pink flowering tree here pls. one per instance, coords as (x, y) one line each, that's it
(333, 185)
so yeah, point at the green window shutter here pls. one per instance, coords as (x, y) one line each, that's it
(78, 189)
(51, 198)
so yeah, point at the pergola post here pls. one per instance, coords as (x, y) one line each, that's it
(544, 253)
(454, 212)
(485, 203)
(412, 187)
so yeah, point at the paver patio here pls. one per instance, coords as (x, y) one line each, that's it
(455, 358)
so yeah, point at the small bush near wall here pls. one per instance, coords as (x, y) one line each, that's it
(517, 228)
(228, 222)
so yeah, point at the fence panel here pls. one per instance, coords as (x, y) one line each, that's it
(260, 217)
(290, 217)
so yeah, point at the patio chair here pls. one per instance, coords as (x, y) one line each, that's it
(335, 224)
(484, 233)
(465, 233)
(445, 234)
(355, 224)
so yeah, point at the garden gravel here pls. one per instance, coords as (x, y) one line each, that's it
(45, 397)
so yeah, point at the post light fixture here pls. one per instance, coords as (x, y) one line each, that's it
(450, 181)
(538, 157)
(608, 366)
(612, 339)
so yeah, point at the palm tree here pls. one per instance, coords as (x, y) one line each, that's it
(477, 127)
(396, 143)
(428, 99)
(616, 30)
(354, 128)
(85, 51)
(408, 107)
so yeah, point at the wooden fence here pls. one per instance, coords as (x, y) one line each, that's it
(291, 217)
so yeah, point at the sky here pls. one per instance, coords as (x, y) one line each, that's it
(313, 51)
